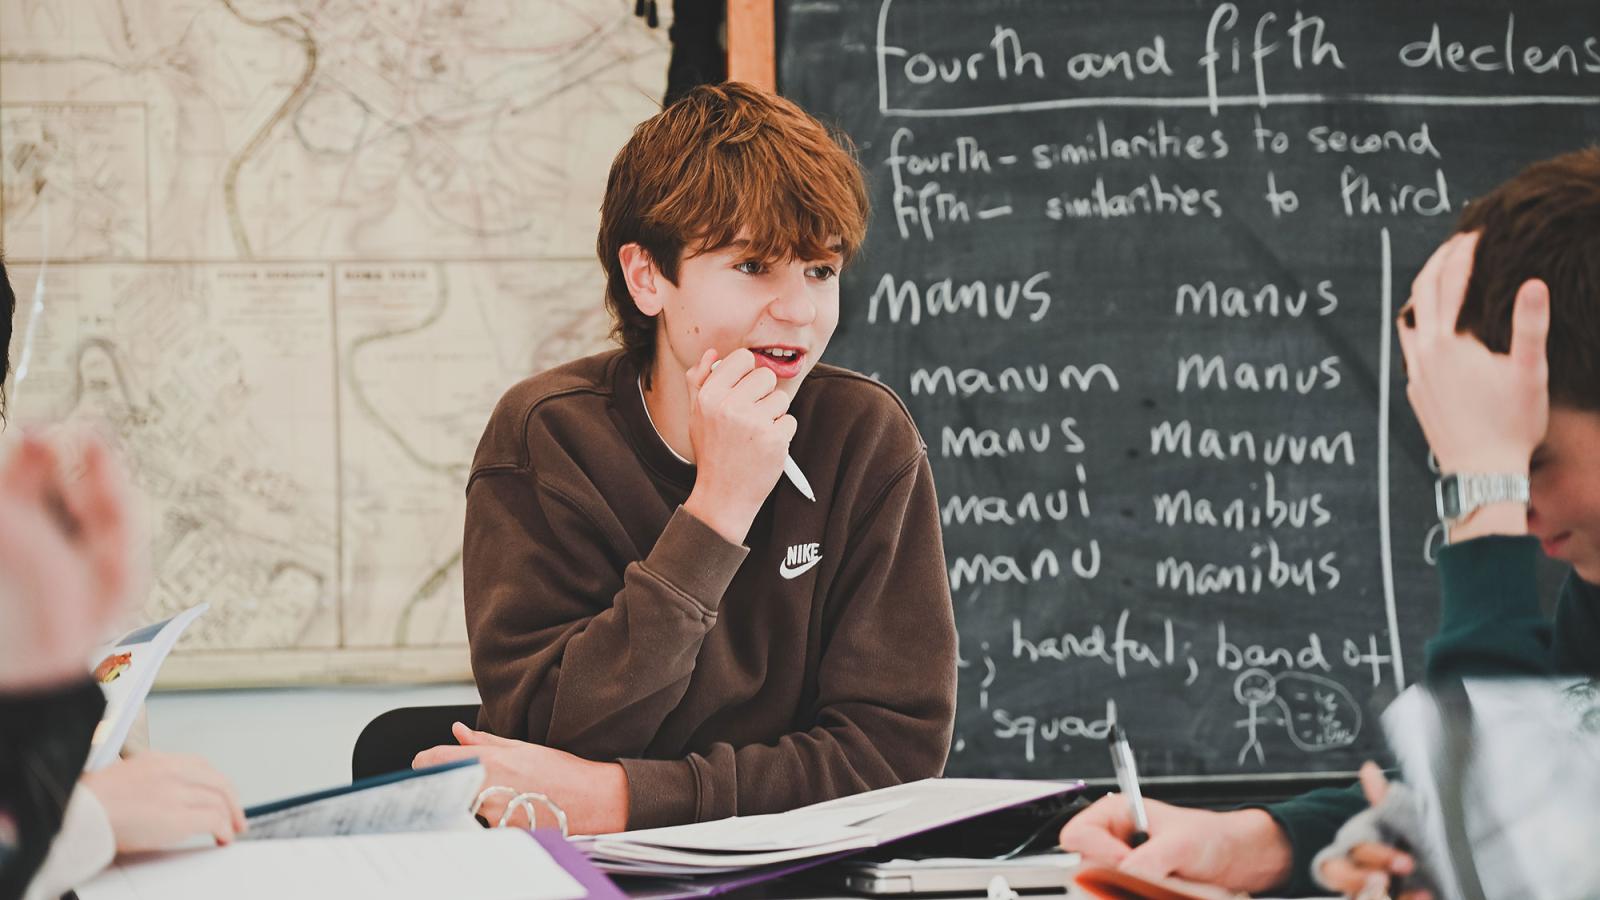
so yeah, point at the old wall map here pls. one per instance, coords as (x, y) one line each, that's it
(289, 254)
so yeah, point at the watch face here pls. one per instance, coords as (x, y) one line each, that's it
(1447, 493)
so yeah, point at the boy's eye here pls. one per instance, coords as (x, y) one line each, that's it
(822, 272)
(751, 267)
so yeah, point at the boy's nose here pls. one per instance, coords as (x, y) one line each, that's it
(792, 305)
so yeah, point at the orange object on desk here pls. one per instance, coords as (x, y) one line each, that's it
(1115, 884)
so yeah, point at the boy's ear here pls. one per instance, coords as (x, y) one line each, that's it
(640, 272)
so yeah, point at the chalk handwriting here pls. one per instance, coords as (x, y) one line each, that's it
(1118, 650)
(1308, 44)
(1267, 570)
(1180, 439)
(1158, 141)
(1055, 506)
(1027, 728)
(1153, 197)
(1232, 302)
(984, 569)
(1036, 379)
(1361, 197)
(1004, 53)
(1272, 511)
(1326, 139)
(906, 301)
(984, 443)
(1502, 56)
(1215, 372)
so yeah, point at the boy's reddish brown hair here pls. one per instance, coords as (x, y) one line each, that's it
(1543, 223)
(723, 159)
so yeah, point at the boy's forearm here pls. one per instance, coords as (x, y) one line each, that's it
(1490, 623)
(873, 749)
(625, 672)
(555, 663)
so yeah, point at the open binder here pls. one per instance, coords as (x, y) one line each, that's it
(712, 858)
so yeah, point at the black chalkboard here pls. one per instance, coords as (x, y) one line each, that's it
(1133, 266)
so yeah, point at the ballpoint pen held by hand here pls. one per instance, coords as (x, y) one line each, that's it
(1127, 776)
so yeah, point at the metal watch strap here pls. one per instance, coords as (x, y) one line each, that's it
(1474, 491)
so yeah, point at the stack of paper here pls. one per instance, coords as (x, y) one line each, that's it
(811, 833)
(741, 842)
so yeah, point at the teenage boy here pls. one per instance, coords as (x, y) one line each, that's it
(665, 626)
(1502, 345)
(1512, 414)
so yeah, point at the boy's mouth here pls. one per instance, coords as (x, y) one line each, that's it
(783, 361)
(1553, 545)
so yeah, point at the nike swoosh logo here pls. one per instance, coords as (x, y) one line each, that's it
(786, 572)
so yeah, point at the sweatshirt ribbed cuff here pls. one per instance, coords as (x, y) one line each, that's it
(693, 558)
(661, 792)
(1310, 822)
(1488, 578)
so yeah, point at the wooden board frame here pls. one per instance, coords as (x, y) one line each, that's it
(752, 43)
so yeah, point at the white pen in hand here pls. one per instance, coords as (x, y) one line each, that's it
(791, 469)
(1127, 776)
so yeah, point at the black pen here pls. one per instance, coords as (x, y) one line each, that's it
(1127, 776)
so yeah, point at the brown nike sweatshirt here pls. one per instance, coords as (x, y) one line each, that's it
(816, 661)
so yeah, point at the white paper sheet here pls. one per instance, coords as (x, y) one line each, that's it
(125, 670)
(799, 829)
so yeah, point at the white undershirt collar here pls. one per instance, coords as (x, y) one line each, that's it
(653, 427)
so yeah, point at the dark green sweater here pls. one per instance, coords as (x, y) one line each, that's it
(1489, 624)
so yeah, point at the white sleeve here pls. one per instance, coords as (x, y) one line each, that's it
(83, 846)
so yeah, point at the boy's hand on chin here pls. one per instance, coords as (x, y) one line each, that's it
(740, 427)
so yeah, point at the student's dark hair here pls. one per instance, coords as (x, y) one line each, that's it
(1543, 223)
(725, 158)
(8, 308)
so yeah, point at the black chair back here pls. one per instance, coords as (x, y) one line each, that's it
(390, 741)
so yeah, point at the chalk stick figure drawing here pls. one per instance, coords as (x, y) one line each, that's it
(1255, 689)
(1318, 713)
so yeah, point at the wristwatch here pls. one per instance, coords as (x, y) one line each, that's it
(1459, 494)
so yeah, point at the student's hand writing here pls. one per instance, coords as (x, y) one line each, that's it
(1366, 870)
(593, 795)
(1244, 850)
(66, 562)
(155, 800)
(740, 427)
(1481, 411)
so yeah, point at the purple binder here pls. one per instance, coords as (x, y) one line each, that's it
(577, 865)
